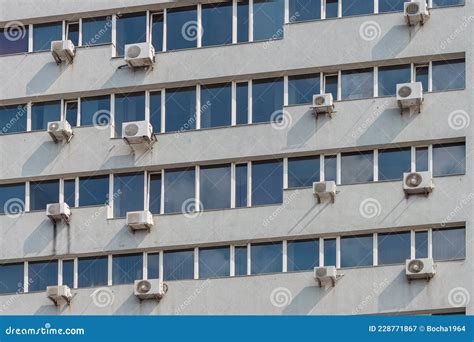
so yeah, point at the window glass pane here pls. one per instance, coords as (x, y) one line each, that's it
(267, 99)
(357, 7)
(305, 10)
(390, 76)
(157, 31)
(95, 111)
(68, 273)
(12, 198)
(179, 190)
(421, 244)
(44, 34)
(128, 193)
(393, 163)
(42, 113)
(393, 248)
(214, 185)
(216, 105)
(93, 190)
(127, 268)
(302, 88)
(441, 3)
(268, 19)
(331, 8)
(421, 158)
(390, 5)
(217, 24)
(303, 255)
(11, 276)
(73, 33)
(42, 274)
(43, 193)
(70, 192)
(214, 262)
(422, 76)
(155, 111)
(13, 119)
(330, 85)
(128, 107)
(449, 75)
(330, 168)
(155, 193)
(449, 244)
(71, 113)
(178, 265)
(14, 39)
(329, 252)
(303, 171)
(241, 185)
(266, 258)
(240, 260)
(357, 167)
(356, 251)
(153, 265)
(92, 271)
(242, 99)
(131, 28)
(449, 159)
(267, 182)
(180, 109)
(242, 21)
(357, 84)
(96, 31)
(181, 28)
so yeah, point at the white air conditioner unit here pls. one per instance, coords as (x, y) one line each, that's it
(58, 294)
(323, 104)
(139, 220)
(418, 183)
(58, 211)
(60, 130)
(410, 95)
(416, 12)
(420, 268)
(139, 55)
(137, 132)
(150, 289)
(326, 275)
(63, 50)
(325, 190)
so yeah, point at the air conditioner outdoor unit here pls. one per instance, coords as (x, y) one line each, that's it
(60, 130)
(323, 104)
(420, 268)
(326, 275)
(58, 294)
(137, 132)
(418, 183)
(410, 95)
(139, 220)
(150, 289)
(325, 190)
(139, 55)
(416, 12)
(58, 211)
(63, 50)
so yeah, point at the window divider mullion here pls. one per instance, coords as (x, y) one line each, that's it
(375, 253)
(376, 165)
(165, 28)
(232, 184)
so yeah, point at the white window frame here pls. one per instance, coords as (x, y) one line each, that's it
(64, 104)
(148, 187)
(66, 28)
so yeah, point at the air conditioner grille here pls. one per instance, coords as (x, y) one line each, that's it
(143, 286)
(319, 101)
(413, 180)
(320, 187)
(53, 127)
(404, 91)
(415, 266)
(131, 129)
(133, 51)
(321, 272)
(413, 8)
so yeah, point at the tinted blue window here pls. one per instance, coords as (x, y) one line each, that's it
(215, 186)
(331, 8)
(42, 274)
(157, 32)
(73, 33)
(449, 244)
(13, 119)
(241, 185)
(92, 271)
(42, 113)
(153, 265)
(266, 258)
(179, 190)
(330, 85)
(131, 28)
(305, 10)
(242, 103)
(214, 262)
(390, 76)
(421, 158)
(268, 19)
(68, 273)
(155, 193)
(128, 193)
(303, 255)
(329, 252)
(390, 5)
(267, 99)
(127, 268)
(357, 167)
(13, 39)
(95, 111)
(96, 31)
(421, 244)
(357, 7)
(357, 84)
(356, 251)
(93, 190)
(216, 105)
(178, 265)
(449, 75)
(71, 113)
(242, 21)
(128, 107)
(267, 182)
(330, 168)
(449, 159)
(44, 34)
(240, 260)
(43, 193)
(422, 76)
(217, 24)
(180, 109)
(11, 278)
(302, 88)
(393, 248)
(181, 28)
(393, 163)
(303, 171)
(155, 111)
(441, 3)
(12, 198)
(69, 192)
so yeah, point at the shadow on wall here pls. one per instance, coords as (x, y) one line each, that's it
(41, 238)
(124, 238)
(304, 129)
(45, 78)
(393, 42)
(306, 300)
(41, 158)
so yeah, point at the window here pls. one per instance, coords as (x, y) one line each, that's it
(390, 5)
(421, 244)
(357, 7)
(266, 258)
(449, 244)
(155, 193)
(44, 34)
(330, 168)
(214, 185)
(178, 265)
(127, 268)
(332, 8)
(330, 85)
(302, 88)
(68, 273)
(181, 28)
(214, 262)
(356, 251)
(95, 111)
(153, 265)
(94, 190)
(240, 260)
(357, 167)
(442, 3)
(303, 171)
(242, 21)
(242, 103)
(179, 190)
(303, 255)
(305, 10)
(422, 75)
(268, 19)
(131, 28)
(421, 159)
(240, 185)
(449, 75)
(96, 31)
(92, 271)
(180, 109)
(128, 107)
(128, 193)
(13, 119)
(72, 32)
(390, 76)
(44, 112)
(216, 105)
(70, 192)
(70, 111)
(13, 40)
(11, 276)
(157, 31)
(42, 274)
(155, 111)
(393, 163)
(267, 100)
(267, 182)
(393, 248)
(330, 252)
(217, 24)
(357, 84)
(449, 159)
(43, 193)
